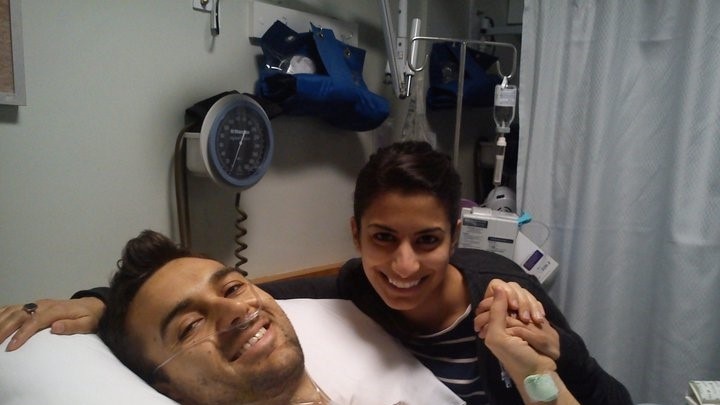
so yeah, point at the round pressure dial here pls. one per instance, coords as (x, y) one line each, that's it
(236, 141)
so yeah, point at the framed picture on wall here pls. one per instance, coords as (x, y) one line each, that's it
(12, 71)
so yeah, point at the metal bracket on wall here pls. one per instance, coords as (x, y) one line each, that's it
(213, 7)
(203, 5)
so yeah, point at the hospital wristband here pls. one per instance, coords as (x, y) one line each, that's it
(541, 387)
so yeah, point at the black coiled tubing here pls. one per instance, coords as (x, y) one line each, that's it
(240, 232)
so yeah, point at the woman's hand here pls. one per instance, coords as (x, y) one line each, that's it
(63, 317)
(518, 357)
(520, 301)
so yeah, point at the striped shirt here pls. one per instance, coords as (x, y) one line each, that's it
(451, 355)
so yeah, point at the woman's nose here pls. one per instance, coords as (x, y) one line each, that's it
(405, 262)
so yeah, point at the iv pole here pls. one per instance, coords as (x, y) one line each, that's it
(461, 74)
(396, 48)
(401, 63)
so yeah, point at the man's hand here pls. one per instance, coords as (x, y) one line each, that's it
(63, 317)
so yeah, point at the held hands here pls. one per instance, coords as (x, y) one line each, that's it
(526, 318)
(519, 300)
(514, 352)
(63, 317)
(529, 369)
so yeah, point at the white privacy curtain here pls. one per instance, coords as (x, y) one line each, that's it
(619, 108)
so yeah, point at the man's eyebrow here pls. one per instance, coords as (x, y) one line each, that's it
(220, 274)
(186, 303)
(177, 309)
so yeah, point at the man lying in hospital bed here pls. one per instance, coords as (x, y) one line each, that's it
(346, 354)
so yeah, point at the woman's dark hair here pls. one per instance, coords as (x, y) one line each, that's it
(409, 167)
(141, 258)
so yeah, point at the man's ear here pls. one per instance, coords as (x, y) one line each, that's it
(355, 229)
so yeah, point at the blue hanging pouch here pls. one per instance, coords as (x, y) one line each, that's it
(313, 73)
(478, 86)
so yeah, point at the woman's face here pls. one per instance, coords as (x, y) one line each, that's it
(405, 242)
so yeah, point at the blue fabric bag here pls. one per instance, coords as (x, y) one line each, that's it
(335, 91)
(478, 87)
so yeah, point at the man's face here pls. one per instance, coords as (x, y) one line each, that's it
(188, 300)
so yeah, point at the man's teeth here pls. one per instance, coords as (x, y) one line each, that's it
(260, 333)
(403, 284)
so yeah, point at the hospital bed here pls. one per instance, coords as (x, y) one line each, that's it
(346, 353)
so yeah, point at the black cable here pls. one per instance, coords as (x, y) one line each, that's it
(241, 231)
(181, 196)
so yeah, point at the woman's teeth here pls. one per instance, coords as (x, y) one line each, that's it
(403, 284)
(260, 333)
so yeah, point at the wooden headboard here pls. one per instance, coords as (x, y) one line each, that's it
(317, 271)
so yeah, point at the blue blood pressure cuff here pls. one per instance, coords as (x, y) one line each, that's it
(313, 73)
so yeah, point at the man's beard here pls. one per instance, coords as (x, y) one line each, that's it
(277, 384)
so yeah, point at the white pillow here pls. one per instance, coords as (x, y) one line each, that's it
(77, 369)
(347, 354)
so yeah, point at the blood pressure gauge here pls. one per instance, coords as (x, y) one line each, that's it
(235, 142)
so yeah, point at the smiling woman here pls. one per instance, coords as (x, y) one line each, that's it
(405, 242)
(434, 298)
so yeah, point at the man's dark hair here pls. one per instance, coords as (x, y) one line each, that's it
(409, 167)
(141, 258)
